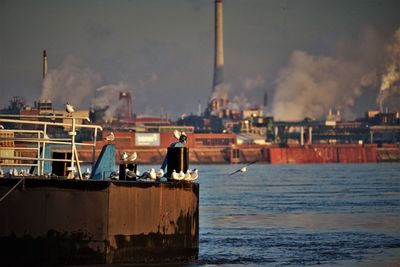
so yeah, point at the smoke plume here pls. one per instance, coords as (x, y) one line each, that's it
(311, 84)
(220, 91)
(390, 81)
(70, 82)
(107, 97)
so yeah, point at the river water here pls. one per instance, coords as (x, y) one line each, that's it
(300, 215)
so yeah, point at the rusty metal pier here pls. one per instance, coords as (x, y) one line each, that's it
(60, 222)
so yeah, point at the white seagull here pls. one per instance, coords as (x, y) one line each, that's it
(244, 168)
(194, 175)
(69, 108)
(124, 156)
(177, 134)
(187, 175)
(86, 174)
(132, 157)
(160, 173)
(152, 174)
(110, 137)
(174, 175)
(130, 174)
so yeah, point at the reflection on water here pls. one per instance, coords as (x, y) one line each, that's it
(325, 215)
(312, 221)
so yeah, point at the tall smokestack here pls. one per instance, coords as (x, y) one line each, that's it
(219, 98)
(219, 46)
(44, 64)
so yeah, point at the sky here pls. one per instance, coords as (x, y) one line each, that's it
(307, 55)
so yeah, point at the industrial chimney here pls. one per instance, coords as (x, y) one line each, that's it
(44, 67)
(126, 109)
(219, 97)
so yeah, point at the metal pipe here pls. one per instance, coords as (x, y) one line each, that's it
(52, 123)
(33, 140)
(39, 159)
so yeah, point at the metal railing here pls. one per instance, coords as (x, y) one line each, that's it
(37, 140)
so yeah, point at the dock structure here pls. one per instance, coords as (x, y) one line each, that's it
(48, 221)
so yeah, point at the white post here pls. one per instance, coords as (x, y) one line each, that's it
(302, 135)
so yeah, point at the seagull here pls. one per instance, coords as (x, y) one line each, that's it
(124, 156)
(244, 168)
(177, 134)
(152, 174)
(160, 173)
(86, 175)
(132, 157)
(194, 175)
(114, 175)
(181, 175)
(130, 174)
(14, 172)
(110, 137)
(1, 172)
(69, 108)
(174, 175)
(187, 175)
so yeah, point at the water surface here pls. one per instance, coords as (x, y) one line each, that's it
(300, 215)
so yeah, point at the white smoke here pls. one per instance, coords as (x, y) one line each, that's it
(107, 96)
(70, 82)
(310, 85)
(221, 91)
(390, 79)
(250, 84)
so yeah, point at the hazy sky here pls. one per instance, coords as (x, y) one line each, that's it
(162, 51)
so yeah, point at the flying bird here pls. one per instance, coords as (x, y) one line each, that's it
(69, 108)
(110, 137)
(244, 168)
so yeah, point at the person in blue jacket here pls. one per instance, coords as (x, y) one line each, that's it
(181, 143)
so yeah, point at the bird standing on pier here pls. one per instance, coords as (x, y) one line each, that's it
(160, 173)
(132, 157)
(86, 174)
(130, 175)
(244, 168)
(110, 137)
(124, 156)
(69, 108)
